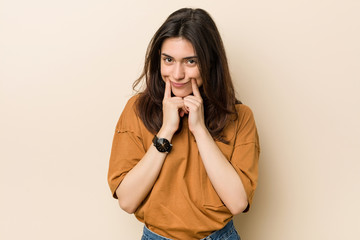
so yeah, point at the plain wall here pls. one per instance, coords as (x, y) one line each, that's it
(66, 70)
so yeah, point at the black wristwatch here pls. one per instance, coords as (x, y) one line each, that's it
(162, 144)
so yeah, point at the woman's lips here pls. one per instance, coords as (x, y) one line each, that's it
(178, 85)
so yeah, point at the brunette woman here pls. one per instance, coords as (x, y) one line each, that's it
(185, 152)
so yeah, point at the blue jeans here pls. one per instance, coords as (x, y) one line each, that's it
(226, 233)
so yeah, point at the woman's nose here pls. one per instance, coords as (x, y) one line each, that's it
(179, 72)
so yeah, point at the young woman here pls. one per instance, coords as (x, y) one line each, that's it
(185, 151)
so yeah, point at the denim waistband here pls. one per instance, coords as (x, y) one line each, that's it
(226, 230)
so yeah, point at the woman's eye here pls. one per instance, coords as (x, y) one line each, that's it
(191, 61)
(168, 60)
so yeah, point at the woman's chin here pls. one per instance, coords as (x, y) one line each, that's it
(181, 94)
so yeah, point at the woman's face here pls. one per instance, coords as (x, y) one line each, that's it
(179, 64)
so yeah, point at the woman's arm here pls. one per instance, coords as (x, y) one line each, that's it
(222, 175)
(139, 180)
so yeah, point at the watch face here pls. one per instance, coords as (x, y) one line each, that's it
(162, 144)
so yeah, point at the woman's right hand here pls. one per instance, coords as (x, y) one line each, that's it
(139, 181)
(173, 109)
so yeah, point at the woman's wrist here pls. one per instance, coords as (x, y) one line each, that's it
(165, 133)
(201, 132)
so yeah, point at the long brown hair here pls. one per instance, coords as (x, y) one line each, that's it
(217, 91)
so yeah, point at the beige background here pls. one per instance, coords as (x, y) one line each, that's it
(66, 69)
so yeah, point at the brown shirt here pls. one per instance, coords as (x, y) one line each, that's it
(183, 203)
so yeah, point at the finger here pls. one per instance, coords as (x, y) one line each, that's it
(190, 104)
(184, 108)
(179, 104)
(194, 100)
(167, 93)
(195, 88)
(181, 113)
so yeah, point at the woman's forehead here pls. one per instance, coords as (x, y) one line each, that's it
(178, 47)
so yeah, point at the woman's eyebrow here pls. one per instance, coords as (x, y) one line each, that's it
(166, 55)
(190, 57)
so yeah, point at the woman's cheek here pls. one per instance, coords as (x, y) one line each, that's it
(194, 74)
(164, 71)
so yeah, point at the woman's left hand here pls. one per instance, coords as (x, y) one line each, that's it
(195, 107)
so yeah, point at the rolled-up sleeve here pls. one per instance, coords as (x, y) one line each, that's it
(246, 152)
(127, 147)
